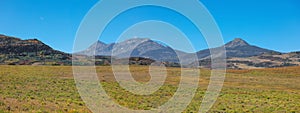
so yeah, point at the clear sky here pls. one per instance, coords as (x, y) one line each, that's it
(272, 24)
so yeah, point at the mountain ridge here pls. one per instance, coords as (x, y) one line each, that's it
(135, 47)
(240, 54)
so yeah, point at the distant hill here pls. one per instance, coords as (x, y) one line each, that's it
(14, 51)
(242, 55)
(237, 48)
(240, 48)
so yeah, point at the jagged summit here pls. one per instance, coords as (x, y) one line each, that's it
(237, 42)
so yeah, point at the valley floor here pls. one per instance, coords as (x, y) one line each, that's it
(52, 89)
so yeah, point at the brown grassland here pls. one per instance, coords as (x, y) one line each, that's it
(52, 89)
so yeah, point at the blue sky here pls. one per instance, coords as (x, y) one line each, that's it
(272, 24)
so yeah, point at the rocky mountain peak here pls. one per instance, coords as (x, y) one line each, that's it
(237, 42)
(136, 40)
(99, 44)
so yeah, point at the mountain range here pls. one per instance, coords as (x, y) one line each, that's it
(136, 47)
(142, 51)
(143, 47)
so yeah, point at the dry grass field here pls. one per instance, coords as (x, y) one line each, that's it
(52, 89)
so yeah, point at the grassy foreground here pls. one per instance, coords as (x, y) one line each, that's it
(52, 89)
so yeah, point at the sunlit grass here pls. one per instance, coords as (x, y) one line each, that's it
(52, 89)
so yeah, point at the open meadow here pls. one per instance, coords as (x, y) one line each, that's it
(52, 89)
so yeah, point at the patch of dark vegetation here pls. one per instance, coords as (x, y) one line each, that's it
(274, 58)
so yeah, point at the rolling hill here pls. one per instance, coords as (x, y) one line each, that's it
(14, 51)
